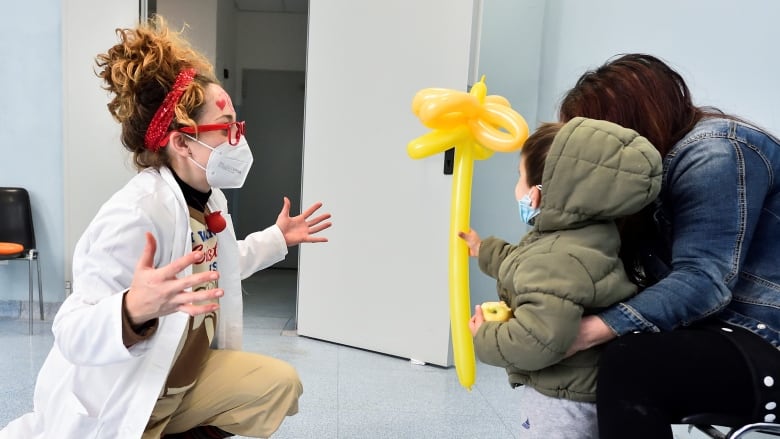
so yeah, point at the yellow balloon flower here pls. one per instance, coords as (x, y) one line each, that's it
(476, 125)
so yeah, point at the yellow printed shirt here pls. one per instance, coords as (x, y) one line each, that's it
(197, 339)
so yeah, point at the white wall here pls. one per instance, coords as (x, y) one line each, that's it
(724, 50)
(94, 163)
(30, 134)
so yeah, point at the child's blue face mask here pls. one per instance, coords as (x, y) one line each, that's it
(528, 213)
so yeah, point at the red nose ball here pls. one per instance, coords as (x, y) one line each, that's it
(216, 222)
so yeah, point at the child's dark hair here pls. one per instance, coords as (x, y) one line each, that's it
(535, 149)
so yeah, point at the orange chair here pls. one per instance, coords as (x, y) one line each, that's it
(17, 237)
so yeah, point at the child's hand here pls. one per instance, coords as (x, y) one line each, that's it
(476, 320)
(472, 240)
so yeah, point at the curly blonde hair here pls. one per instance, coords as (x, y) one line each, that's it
(140, 71)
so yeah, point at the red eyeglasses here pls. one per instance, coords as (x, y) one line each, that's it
(234, 130)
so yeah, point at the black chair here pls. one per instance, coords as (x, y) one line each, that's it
(737, 425)
(16, 226)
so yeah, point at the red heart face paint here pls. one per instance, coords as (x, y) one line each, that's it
(223, 102)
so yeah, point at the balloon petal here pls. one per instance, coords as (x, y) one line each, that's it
(436, 142)
(499, 128)
(498, 100)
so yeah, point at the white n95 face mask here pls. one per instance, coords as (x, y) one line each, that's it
(228, 165)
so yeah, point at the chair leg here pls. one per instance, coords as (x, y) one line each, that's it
(29, 310)
(40, 285)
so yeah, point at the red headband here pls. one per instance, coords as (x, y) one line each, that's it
(155, 137)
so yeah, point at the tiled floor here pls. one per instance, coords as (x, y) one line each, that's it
(348, 392)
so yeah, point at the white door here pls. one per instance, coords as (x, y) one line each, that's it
(381, 282)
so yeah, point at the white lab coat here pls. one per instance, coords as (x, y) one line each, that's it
(90, 385)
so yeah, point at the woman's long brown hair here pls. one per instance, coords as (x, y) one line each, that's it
(636, 91)
(640, 92)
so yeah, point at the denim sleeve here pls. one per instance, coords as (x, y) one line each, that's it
(711, 218)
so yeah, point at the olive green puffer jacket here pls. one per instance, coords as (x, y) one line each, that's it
(567, 265)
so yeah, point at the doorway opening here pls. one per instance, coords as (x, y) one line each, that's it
(272, 106)
(258, 50)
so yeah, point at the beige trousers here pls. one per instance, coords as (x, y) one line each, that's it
(240, 392)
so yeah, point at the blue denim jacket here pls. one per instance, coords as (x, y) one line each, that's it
(720, 207)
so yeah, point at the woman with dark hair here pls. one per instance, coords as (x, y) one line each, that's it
(703, 333)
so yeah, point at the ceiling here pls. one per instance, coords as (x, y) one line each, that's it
(283, 6)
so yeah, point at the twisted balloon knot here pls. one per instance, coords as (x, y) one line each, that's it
(488, 123)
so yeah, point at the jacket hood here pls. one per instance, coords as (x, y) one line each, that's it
(596, 171)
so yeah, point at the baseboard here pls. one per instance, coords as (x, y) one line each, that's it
(291, 328)
(19, 309)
